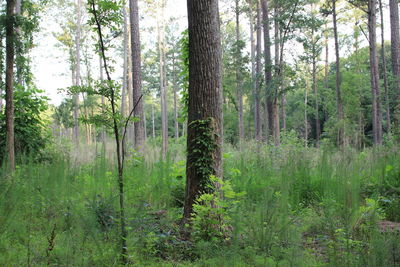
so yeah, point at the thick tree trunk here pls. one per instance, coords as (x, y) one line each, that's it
(270, 103)
(10, 36)
(258, 76)
(136, 75)
(339, 102)
(238, 74)
(385, 77)
(205, 100)
(163, 78)
(395, 51)
(376, 106)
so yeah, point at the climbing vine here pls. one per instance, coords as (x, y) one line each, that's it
(203, 147)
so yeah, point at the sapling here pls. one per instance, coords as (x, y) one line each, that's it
(106, 21)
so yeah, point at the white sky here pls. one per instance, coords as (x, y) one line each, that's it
(50, 66)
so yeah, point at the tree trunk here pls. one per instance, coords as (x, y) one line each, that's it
(315, 90)
(10, 36)
(395, 51)
(174, 85)
(1, 75)
(153, 122)
(19, 67)
(125, 66)
(205, 100)
(103, 102)
(163, 79)
(238, 75)
(270, 104)
(339, 102)
(136, 76)
(306, 115)
(376, 106)
(258, 76)
(77, 70)
(326, 56)
(385, 77)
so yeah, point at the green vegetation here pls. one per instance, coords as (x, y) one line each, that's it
(286, 206)
(199, 133)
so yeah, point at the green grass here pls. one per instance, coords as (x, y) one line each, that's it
(302, 207)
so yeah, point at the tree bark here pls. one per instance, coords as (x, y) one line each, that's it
(258, 75)
(77, 70)
(339, 102)
(277, 43)
(125, 66)
(137, 76)
(103, 102)
(238, 74)
(306, 115)
(174, 86)
(10, 51)
(153, 122)
(376, 106)
(205, 99)
(268, 71)
(315, 90)
(385, 77)
(395, 54)
(163, 78)
(1, 75)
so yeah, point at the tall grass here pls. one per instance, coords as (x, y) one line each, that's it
(303, 207)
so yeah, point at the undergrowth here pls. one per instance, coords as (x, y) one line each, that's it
(286, 206)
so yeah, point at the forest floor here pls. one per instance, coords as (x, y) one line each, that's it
(283, 206)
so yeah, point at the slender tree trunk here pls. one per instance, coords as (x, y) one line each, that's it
(1, 69)
(131, 128)
(257, 128)
(136, 75)
(326, 57)
(339, 102)
(270, 104)
(78, 70)
(174, 85)
(238, 75)
(385, 77)
(10, 36)
(153, 123)
(277, 43)
(315, 90)
(258, 75)
(306, 114)
(19, 69)
(205, 100)
(376, 106)
(144, 122)
(395, 54)
(103, 102)
(163, 78)
(125, 66)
